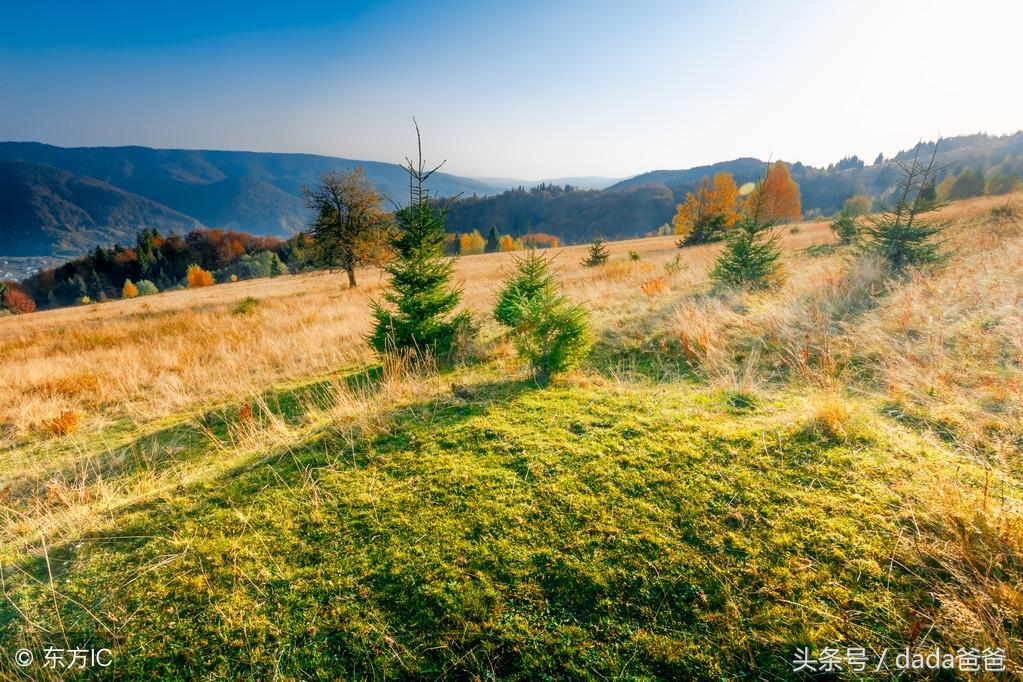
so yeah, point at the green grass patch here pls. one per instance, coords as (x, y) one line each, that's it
(644, 533)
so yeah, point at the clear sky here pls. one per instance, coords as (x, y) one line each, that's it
(519, 89)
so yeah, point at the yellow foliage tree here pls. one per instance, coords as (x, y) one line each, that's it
(197, 277)
(129, 290)
(471, 243)
(707, 214)
(506, 243)
(780, 201)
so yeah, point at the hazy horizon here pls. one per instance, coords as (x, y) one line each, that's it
(529, 92)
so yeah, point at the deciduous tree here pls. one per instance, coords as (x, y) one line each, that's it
(776, 197)
(349, 229)
(708, 213)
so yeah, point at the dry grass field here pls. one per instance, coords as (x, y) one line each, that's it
(843, 465)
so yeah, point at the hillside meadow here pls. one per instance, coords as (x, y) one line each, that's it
(225, 483)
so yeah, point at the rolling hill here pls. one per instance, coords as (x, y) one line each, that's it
(125, 189)
(641, 204)
(49, 211)
(168, 189)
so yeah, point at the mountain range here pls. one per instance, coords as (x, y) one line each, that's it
(59, 202)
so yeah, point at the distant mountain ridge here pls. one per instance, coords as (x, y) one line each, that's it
(132, 188)
(641, 204)
(49, 211)
(57, 201)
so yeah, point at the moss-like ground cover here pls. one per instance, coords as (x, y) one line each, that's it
(592, 530)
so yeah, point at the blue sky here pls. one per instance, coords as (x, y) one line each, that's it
(524, 89)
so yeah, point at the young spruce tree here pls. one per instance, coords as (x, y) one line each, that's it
(902, 234)
(597, 255)
(532, 276)
(751, 253)
(420, 318)
(551, 333)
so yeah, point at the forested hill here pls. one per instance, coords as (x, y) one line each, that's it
(62, 201)
(58, 201)
(642, 204)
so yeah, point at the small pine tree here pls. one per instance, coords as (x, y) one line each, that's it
(844, 226)
(902, 234)
(551, 333)
(97, 290)
(597, 255)
(77, 288)
(751, 253)
(493, 240)
(129, 290)
(531, 276)
(422, 297)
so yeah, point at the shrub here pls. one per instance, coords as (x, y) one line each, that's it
(675, 265)
(64, 425)
(597, 254)
(633, 255)
(858, 205)
(1005, 212)
(844, 226)
(245, 306)
(471, 243)
(14, 298)
(531, 276)
(146, 288)
(750, 257)
(654, 286)
(129, 290)
(197, 277)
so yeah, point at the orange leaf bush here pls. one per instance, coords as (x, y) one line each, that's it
(64, 425)
(654, 286)
(197, 277)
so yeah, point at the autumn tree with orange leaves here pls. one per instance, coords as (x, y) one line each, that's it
(777, 197)
(706, 215)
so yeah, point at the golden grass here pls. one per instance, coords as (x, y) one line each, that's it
(942, 353)
(148, 357)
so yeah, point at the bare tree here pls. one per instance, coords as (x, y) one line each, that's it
(349, 229)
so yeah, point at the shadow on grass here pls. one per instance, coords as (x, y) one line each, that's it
(118, 453)
(137, 524)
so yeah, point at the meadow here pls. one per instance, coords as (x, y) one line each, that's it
(226, 483)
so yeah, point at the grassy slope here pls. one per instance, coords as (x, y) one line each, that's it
(644, 530)
(638, 520)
